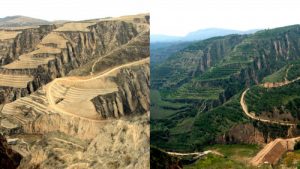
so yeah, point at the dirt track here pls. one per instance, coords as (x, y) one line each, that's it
(52, 103)
(273, 151)
(252, 115)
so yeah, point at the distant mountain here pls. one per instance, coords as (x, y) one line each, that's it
(160, 51)
(199, 35)
(18, 20)
(164, 38)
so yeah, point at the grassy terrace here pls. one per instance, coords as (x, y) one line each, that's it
(220, 72)
(294, 71)
(277, 76)
(162, 109)
(290, 160)
(235, 156)
(285, 98)
(290, 71)
(210, 124)
(188, 92)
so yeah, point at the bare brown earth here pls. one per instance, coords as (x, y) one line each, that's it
(97, 120)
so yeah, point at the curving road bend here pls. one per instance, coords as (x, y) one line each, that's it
(288, 143)
(103, 74)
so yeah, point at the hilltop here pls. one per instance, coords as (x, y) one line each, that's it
(19, 21)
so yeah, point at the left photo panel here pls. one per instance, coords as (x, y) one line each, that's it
(74, 85)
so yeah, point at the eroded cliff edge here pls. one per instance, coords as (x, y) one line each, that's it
(100, 105)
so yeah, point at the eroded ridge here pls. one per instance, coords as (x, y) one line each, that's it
(64, 48)
(91, 121)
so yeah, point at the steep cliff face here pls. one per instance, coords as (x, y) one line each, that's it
(69, 47)
(216, 71)
(99, 39)
(90, 121)
(132, 96)
(192, 61)
(25, 41)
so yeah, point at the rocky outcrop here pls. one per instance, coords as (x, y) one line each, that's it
(24, 42)
(101, 38)
(132, 97)
(81, 50)
(256, 133)
(193, 61)
(243, 133)
(122, 143)
(116, 133)
(161, 160)
(9, 159)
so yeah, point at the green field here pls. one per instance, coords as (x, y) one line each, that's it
(277, 76)
(189, 92)
(162, 109)
(198, 89)
(236, 156)
(220, 72)
(294, 71)
(285, 99)
(290, 160)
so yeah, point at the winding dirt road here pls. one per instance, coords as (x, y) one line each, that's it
(273, 151)
(252, 115)
(197, 154)
(52, 103)
(50, 98)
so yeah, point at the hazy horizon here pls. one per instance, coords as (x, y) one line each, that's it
(207, 29)
(177, 18)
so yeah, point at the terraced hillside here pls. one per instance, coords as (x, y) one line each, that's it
(198, 91)
(82, 91)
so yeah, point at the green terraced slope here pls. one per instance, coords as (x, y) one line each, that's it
(196, 91)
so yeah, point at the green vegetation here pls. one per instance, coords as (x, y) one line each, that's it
(160, 51)
(210, 124)
(220, 72)
(162, 109)
(278, 76)
(189, 92)
(290, 160)
(239, 152)
(291, 71)
(192, 132)
(215, 162)
(271, 33)
(197, 89)
(294, 71)
(235, 156)
(284, 99)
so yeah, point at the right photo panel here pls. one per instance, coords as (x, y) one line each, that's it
(225, 84)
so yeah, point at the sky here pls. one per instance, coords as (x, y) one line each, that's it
(72, 9)
(168, 17)
(179, 17)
